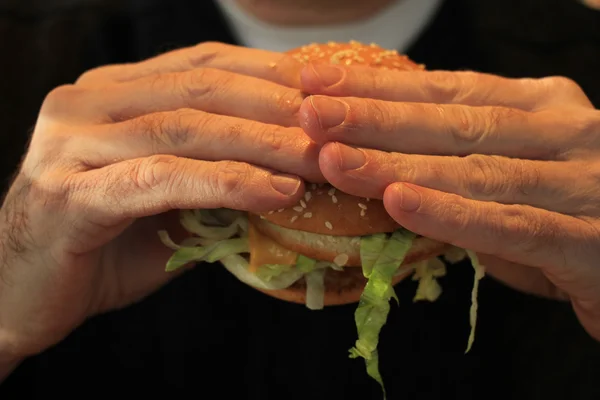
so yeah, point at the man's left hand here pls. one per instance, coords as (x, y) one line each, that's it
(508, 168)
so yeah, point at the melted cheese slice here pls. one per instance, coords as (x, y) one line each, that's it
(264, 250)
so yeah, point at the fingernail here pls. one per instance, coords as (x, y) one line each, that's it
(330, 112)
(285, 184)
(327, 75)
(350, 158)
(410, 199)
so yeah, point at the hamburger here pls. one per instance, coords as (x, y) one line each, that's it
(332, 248)
(327, 224)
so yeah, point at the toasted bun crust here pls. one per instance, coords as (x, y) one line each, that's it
(354, 53)
(327, 211)
(328, 248)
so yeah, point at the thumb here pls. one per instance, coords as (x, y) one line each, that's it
(142, 259)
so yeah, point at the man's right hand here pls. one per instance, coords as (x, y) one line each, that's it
(204, 127)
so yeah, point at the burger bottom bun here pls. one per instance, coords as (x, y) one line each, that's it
(341, 287)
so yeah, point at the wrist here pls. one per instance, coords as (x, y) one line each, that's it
(7, 368)
(8, 361)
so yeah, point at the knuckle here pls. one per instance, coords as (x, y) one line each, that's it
(364, 114)
(230, 179)
(453, 213)
(436, 171)
(468, 83)
(442, 85)
(525, 229)
(62, 97)
(166, 129)
(272, 138)
(205, 82)
(49, 191)
(213, 48)
(561, 83)
(377, 111)
(586, 126)
(524, 177)
(48, 143)
(179, 127)
(154, 173)
(203, 53)
(44, 187)
(407, 171)
(482, 174)
(91, 75)
(508, 223)
(153, 128)
(50, 153)
(288, 103)
(537, 88)
(162, 81)
(229, 137)
(468, 127)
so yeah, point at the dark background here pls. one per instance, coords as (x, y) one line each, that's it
(207, 335)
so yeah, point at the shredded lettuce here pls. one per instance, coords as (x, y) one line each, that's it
(204, 225)
(479, 274)
(267, 272)
(167, 241)
(427, 273)
(315, 289)
(374, 305)
(305, 264)
(455, 254)
(371, 247)
(238, 266)
(221, 235)
(210, 253)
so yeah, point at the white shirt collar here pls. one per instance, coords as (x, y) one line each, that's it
(395, 27)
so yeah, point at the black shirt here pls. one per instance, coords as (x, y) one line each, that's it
(207, 335)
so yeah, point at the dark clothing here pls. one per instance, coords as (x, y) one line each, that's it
(207, 335)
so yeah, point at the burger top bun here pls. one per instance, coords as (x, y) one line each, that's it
(354, 53)
(328, 211)
(325, 210)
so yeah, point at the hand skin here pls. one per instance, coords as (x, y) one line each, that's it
(112, 158)
(509, 168)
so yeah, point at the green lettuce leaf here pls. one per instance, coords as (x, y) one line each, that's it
(267, 272)
(479, 274)
(305, 264)
(427, 273)
(210, 253)
(238, 266)
(315, 289)
(199, 223)
(371, 247)
(374, 305)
